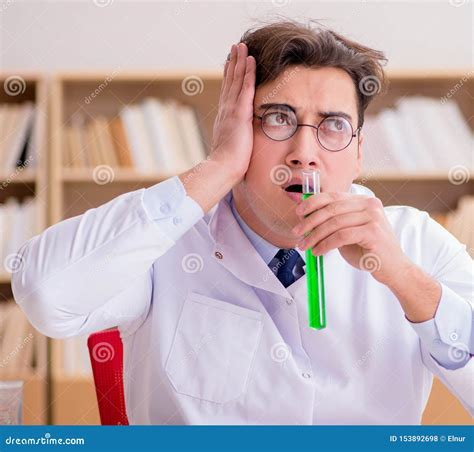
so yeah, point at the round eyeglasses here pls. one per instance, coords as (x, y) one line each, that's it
(334, 133)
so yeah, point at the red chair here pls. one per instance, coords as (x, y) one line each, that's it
(106, 354)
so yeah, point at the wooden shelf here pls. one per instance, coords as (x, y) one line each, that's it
(21, 183)
(86, 175)
(125, 175)
(397, 176)
(72, 191)
(34, 397)
(19, 177)
(5, 278)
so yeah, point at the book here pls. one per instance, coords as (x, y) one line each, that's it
(16, 135)
(150, 136)
(419, 134)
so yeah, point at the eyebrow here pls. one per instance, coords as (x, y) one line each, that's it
(323, 114)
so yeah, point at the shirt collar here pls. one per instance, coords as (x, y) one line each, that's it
(266, 250)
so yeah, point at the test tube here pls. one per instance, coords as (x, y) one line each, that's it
(314, 264)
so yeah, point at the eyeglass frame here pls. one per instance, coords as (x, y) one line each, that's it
(353, 135)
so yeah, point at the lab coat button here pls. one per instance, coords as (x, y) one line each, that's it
(176, 220)
(165, 208)
(289, 301)
(453, 336)
(306, 375)
(218, 254)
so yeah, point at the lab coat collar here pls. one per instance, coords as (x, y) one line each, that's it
(235, 252)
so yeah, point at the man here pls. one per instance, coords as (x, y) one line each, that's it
(211, 300)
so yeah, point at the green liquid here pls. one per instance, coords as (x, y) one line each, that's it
(315, 281)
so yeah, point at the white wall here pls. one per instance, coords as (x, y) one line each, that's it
(68, 35)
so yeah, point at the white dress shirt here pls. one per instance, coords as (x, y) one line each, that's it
(210, 334)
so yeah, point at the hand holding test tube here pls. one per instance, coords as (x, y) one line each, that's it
(314, 264)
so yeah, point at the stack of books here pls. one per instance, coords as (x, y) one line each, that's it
(18, 136)
(152, 136)
(71, 356)
(20, 350)
(420, 134)
(17, 225)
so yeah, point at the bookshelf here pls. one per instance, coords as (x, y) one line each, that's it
(71, 191)
(430, 191)
(27, 181)
(74, 190)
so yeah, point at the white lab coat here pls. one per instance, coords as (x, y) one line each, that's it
(212, 337)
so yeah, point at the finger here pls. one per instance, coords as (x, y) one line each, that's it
(226, 66)
(248, 86)
(318, 217)
(339, 239)
(239, 72)
(321, 200)
(221, 95)
(230, 71)
(333, 225)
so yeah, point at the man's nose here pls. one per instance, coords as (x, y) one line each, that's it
(305, 150)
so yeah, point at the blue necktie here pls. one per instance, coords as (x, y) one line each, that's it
(283, 263)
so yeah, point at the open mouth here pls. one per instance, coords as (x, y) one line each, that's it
(295, 188)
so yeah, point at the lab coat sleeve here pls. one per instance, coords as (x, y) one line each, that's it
(446, 341)
(94, 271)
(453, 322)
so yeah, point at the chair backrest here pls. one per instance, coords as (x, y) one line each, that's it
(106, 354)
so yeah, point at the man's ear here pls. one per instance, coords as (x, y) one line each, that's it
(358, 168)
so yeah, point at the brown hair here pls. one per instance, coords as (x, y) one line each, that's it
(287, 43)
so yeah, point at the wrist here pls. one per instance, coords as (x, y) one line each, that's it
(208, 182)
(227, 167)
(417, 292)
(405, 271)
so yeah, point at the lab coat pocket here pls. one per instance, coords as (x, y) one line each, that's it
(213, 349)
